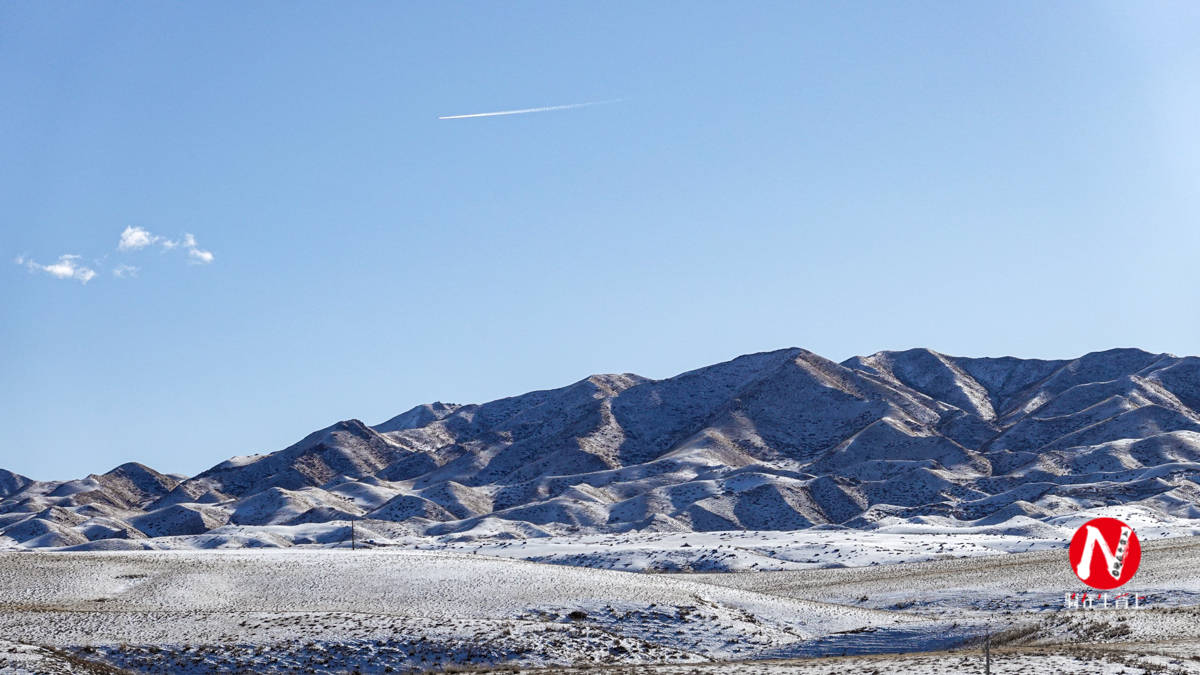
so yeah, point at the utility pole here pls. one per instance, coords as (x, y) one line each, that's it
(987, 654)
(353, 545)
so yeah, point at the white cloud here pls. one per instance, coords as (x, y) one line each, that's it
(134, 238)
(200, 257)
(197, 255)
(67, 267)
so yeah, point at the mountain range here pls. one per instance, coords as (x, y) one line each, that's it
(780, 440)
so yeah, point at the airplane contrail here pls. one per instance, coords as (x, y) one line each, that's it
(522, 111)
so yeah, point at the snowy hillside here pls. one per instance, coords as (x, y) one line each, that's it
(783, 440)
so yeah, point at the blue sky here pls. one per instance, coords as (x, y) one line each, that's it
(990, 179)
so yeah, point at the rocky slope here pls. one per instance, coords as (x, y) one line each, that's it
(780, 440)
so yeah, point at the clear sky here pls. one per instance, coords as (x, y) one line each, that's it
(985, 179)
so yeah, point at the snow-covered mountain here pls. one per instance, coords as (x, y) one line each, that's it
(779, 440)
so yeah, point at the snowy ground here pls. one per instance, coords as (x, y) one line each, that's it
(480, 603)
(188, 611)
(977, 587)
(1005, 661)
(891, 541)
(817, 548)
(251, 609)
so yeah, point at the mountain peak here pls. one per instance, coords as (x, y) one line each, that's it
(417, 416)
(12, 482)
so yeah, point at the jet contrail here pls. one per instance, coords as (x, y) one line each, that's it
(522, 111)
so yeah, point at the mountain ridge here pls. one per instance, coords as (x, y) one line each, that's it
(784, 439)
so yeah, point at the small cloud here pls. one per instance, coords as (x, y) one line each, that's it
(134, 238)
(197, 255)
(67, 267)
(125, 271)
(200, 257)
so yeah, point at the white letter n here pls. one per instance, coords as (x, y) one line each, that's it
(1094, 539)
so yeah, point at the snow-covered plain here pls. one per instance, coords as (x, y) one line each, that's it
(890, 542)
(334, 610)
(1004, 661)
(247, 609)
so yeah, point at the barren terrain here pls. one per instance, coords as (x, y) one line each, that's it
(388, 610)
